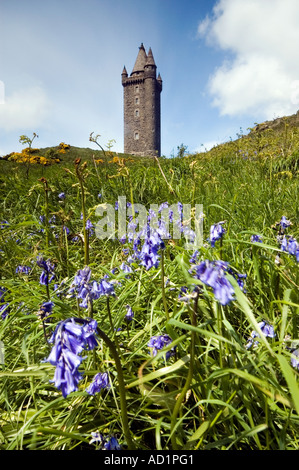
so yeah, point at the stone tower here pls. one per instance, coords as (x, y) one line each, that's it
(142, 109)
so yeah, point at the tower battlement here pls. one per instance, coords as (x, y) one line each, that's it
(142, 107)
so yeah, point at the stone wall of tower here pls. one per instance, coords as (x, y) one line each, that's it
(142, 120)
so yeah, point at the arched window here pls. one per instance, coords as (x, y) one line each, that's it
(136, 135)
(137, 113)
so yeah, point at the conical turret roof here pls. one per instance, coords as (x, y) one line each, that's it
(150, 58)
(140, 61)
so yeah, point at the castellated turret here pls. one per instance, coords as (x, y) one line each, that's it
(142, 106)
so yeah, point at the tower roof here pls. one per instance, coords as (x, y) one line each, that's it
(140, 61)
(150, 58)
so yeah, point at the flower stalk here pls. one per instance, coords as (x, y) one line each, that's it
(79, 173)
(182, 395)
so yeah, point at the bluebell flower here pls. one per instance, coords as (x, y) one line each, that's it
(61, 195)
(23, 269)
(106, 287)
(4, 306)
(256, 239)
(284, 223)
(88, 290)
(266, 329)
(48, 271)
(100, 380)
(157, 343)
(112, 444)
(126, 268)
(194, 257)
(70, 339)
(295, 358)
(46, 309)
(212, 273)
(4, 224)
(97, 437)
(89, 226)
(130, 314)
(216, 232)
(104, 442)
(289, 245)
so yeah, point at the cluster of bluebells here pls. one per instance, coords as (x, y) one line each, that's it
(88, 290)
(104, 442)
(21, 269)
(100, 380)
(266, 329)
(213, 274)
(156, 343)
(287, 243)
(70, 338)
(149, 240)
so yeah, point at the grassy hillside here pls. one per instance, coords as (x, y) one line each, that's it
(142, 342)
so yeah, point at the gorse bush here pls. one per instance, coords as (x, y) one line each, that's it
(137, 342)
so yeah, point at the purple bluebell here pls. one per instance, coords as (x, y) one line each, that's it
(240, 278)
(4, 306)
(46, 309)
(104, 442)
(89, 226)
(130, 314)
(23, 269)
(61, 195)
(284, 223)
(126, 268)
(212, 273)
(256, 239)
(47, 274)
(70, 339)
(156, 343)
(88, 290)
(106, 287)
(97, 437)
(216, 232)
(295, 358)
(194, 257)
(289, 245)
(100, 380)
(112, 444)
(266, 329)
(4, 224)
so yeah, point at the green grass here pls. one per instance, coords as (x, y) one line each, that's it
(214, 393)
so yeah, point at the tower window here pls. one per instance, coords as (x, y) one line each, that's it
(137, 88)
(137, 113)
(136, 136)
(137, 100)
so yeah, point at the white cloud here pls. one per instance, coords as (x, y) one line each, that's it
(24, 109)
(260, 77)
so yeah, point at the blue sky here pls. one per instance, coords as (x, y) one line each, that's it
(225, 65)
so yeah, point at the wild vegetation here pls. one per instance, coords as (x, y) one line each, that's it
(138, 342)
